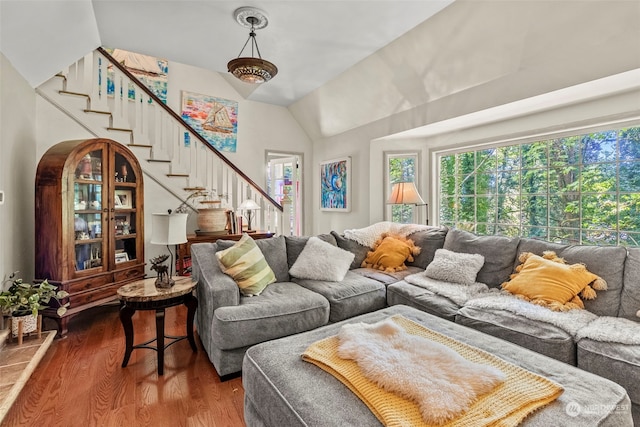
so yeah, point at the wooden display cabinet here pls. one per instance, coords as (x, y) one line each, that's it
(89, 222)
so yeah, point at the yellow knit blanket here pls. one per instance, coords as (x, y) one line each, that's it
(507, 405)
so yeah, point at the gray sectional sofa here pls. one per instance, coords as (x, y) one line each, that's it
(603, 339)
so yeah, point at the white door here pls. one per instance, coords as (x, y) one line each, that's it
(284, 180)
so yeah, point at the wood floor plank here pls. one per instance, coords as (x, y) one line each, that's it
(80, 380)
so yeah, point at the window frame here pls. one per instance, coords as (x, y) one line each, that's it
(416, 214)
(581, 232)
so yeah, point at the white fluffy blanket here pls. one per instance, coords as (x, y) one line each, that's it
(367, 236)
(456, 292)
(441, 382)
(612, 329)
(570, 321)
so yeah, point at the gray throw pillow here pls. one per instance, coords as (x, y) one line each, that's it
(455, 267)
(359, 251)
(429, 242)
(499, 253)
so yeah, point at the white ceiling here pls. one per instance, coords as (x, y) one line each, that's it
(311, 41)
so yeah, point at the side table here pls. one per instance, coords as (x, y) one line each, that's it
(143, 295)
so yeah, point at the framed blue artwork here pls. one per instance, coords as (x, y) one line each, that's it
(335, 181)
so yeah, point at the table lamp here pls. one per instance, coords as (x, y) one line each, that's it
(167, 229)
(248, 206)
(406, 193)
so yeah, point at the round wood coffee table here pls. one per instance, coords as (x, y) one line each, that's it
(143, 295)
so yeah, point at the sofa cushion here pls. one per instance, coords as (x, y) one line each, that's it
(606, 262)
(630, 293)
(274, 250)
(295, 245)
(499, 253)
(403, 293)
(359, 251)
(245, 263)
(538, 336)
(537, 247)
(283, 308)
(387, 277)
(320, 260)
(354, 295)
(617, 362)
(455, 267)
(550, 283)
(428, 241)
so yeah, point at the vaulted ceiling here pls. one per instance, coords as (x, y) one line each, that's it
(311, 41)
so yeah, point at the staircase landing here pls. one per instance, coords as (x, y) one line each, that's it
(17, 363)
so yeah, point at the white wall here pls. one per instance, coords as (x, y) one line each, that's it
(470, 57)
(17, 172)
(261, 127)
(608, 112)
(30, 125)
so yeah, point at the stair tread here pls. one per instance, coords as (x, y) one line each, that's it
(185, 175)
(97, 111)
(159, 160)
(66, 92)
(120, 129)
(140, 145)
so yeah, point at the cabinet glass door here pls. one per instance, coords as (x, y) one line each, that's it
(88, 223)
(125, 210)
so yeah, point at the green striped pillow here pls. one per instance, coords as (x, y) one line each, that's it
(245, 263)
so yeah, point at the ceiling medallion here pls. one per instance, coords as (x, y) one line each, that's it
(251, 69)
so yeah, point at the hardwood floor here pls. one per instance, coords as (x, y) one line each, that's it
(80, 382)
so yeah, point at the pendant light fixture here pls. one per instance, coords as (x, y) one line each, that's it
(251, 69)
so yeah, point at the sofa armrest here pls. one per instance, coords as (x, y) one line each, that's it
(215, 289)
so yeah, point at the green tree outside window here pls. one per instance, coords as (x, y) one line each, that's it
(582, 189)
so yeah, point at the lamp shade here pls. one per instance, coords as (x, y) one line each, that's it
(405, 193)
(168, 229)
(248, 205)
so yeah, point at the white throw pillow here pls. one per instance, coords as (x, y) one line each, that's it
(320, 260)
(455, 267)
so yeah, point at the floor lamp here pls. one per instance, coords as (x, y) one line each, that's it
(167, 229)
(406, 193)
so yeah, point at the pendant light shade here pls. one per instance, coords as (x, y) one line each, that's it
(251, 69)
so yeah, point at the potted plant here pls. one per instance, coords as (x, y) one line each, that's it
(26, 299)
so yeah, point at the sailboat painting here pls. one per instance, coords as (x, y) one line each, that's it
(215, 119)
(151, 71)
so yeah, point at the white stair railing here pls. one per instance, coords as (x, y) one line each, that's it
(139, 119)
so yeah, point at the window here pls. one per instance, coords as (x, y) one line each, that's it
(581, 189)
(400, 167)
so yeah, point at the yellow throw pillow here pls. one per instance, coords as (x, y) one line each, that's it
(549, 282)
(246, 264)
(390, 253)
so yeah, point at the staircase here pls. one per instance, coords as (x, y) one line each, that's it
(155, 134)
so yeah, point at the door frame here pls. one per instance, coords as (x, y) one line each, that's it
(275, 154)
